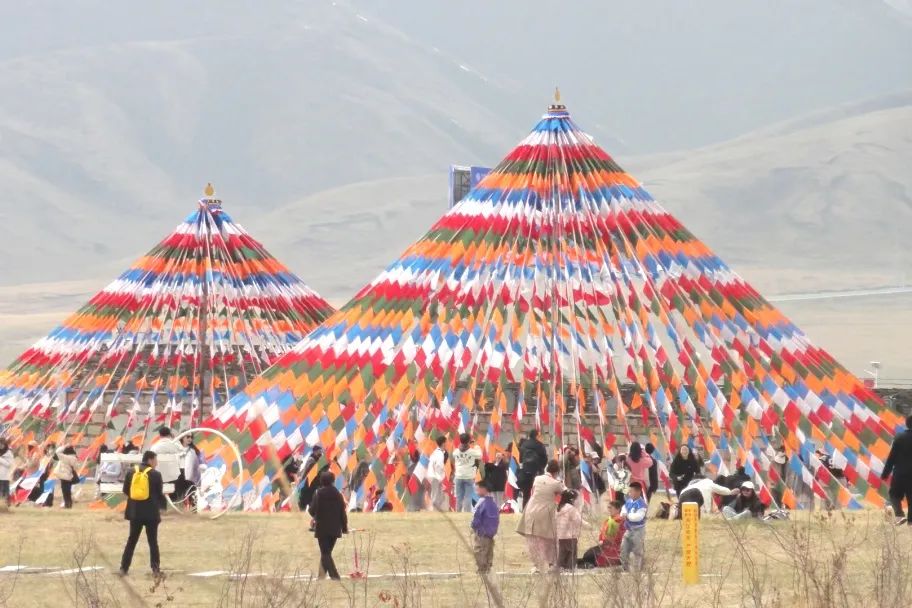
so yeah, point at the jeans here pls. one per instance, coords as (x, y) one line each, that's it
(634, 542)
(66, 489)
(464, 492)
(327, 565)
(728, 512)
(136, 528)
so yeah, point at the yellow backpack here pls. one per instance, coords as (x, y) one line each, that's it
(139, 485)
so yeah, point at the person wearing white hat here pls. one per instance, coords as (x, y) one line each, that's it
(746, 505)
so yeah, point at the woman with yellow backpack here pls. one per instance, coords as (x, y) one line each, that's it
(143, 487)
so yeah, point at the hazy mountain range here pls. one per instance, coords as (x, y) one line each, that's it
(779, 131)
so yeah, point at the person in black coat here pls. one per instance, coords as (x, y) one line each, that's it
(330, 522)
(683, 469)
(899, 464)
(532, 457)
(653, 472)
(495, 476)
(143, 514)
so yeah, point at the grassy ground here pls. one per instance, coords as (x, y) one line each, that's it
(815, 561)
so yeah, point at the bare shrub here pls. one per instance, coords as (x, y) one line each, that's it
(409, 589)
(757, 589)
(891, 583)
(257, 582)
(8, 583)
(88, 587)
(819, 560)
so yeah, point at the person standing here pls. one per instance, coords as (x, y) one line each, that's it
(466, 459)
(143, 487)
(66, 473)
(416, 498)
(653, 486)
(436, 475)
(634, 515)
(496, 478)
(537, 523)
(170, 465)
(192, 471)
(485, 522)
(639, 463)
(356, 494)
(532, 457)
(6, 470)
(573, 477)
(899, 465)
(569, 525)
(330, 522)
(684, 467)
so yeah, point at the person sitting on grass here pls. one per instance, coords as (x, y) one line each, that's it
(746, 505)
(732, 482)
(569, 524)
(485, 522)
(608, 552)
(634, 515)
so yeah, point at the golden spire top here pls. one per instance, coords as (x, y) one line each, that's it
(209, 191)
(557, 106)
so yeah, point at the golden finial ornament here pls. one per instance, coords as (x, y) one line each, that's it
(209, 191)
(557, 106)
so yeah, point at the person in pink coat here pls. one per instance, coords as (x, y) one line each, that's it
(639, 462)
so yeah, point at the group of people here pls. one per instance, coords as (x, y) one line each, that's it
(31, 469)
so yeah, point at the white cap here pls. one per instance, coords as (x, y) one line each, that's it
(748, 485)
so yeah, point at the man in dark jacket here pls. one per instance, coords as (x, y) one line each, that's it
(899, 464)
(532, 457)
(143, 513)
(330, 522)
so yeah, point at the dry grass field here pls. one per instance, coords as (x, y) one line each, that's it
(816, 561)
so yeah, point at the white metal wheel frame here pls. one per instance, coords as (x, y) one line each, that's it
(240, 476)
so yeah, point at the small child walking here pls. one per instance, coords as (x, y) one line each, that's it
(569, 525)
(485, 522)
(634, 515)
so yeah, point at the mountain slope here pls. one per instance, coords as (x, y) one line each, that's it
(824, 205)
(107, 142)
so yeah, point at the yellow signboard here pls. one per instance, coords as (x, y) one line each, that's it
(690, 549)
